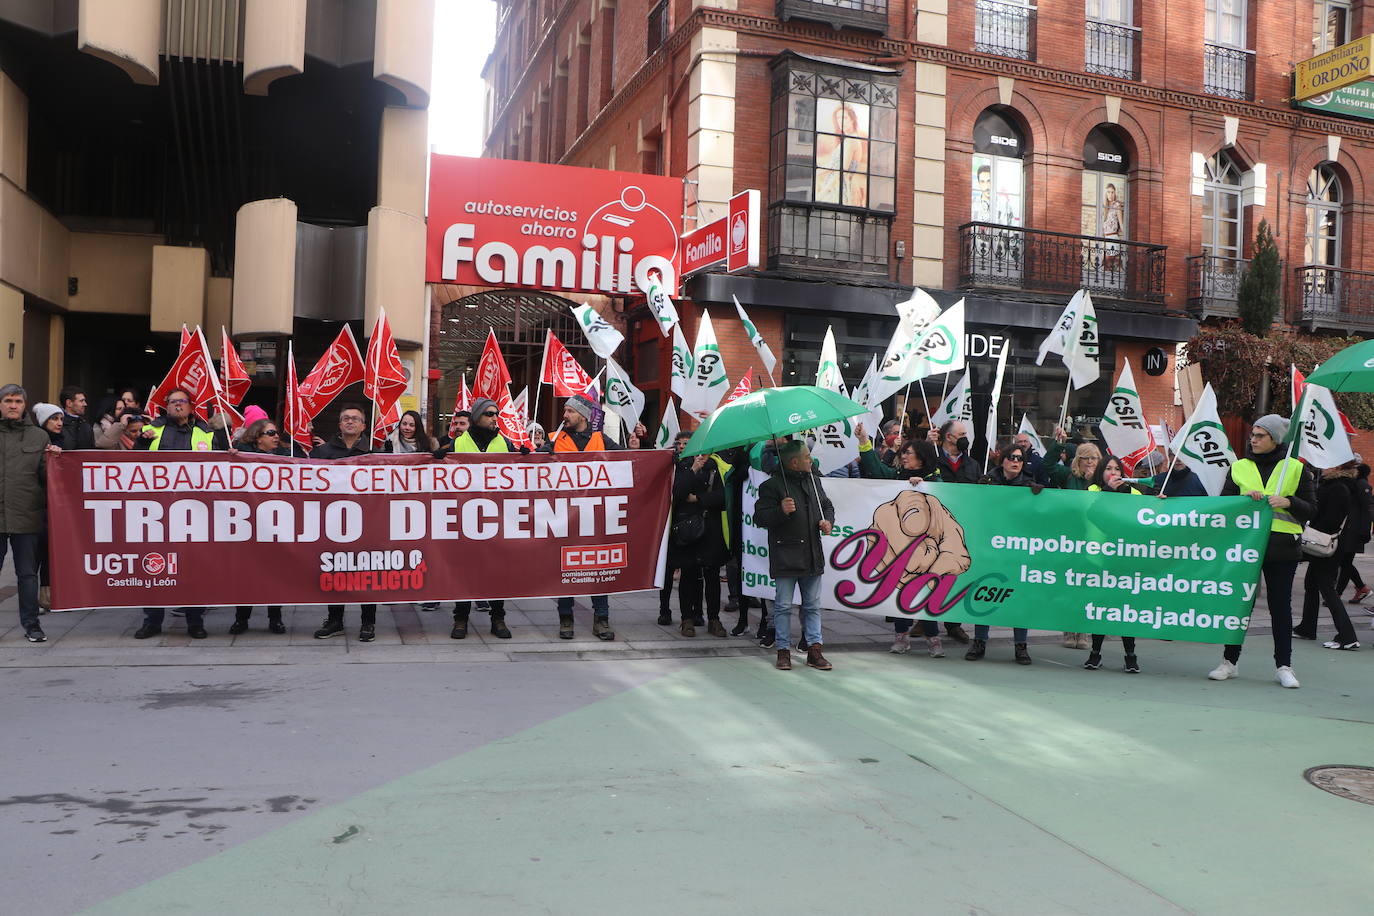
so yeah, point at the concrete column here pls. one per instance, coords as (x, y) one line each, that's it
(57, 353)
(711, 126)
(928, 203)
(178, 296)
(402, 159)
(932, 21)
(219, 309)
(265, 267)
(12, 338)
(127, 33)
(14, 133)
(404, 50)
(273, 42)
(396, 275)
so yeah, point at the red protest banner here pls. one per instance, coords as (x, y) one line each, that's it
(135, 529)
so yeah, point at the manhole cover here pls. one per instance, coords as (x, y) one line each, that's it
(1354, 783)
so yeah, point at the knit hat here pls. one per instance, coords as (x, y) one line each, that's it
(253, 413)
(45, 412)
(479, 407)
(1275, 425)
(583, 405)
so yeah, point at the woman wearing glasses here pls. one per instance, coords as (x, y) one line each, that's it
(1111, 478)
(262, 437)
(1010, 472)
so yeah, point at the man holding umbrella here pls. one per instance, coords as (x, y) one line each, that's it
(794, 508)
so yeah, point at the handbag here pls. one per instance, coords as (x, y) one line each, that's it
(1318, 543)
(688, 529)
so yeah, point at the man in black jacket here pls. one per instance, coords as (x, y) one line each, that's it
(349, 443)
(793, 506)
(76, 432)
(951, 454)
(23, 475)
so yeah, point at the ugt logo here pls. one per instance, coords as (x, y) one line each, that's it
(155, 564)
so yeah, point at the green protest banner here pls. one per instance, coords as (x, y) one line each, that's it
(1183, 569)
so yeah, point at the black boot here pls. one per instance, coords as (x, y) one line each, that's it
(274, 624)
(565, 626)
(976, 650)
(240, 624)
(460, 627)
(498, 625)
(742, 626)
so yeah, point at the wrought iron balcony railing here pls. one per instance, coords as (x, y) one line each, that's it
(832, 240)
(1334, 298)
(1005, 28)
(868, 15)
(1057, 262)
(1112, 50)
(1214, 284)
(1228, 72)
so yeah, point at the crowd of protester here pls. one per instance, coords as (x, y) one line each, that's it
(705, 537)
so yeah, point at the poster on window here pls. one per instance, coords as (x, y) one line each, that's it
(996, 190)
(842, 152)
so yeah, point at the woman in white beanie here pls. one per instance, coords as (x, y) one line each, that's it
(1288, 486)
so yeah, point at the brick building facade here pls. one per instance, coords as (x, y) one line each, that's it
(987, 150)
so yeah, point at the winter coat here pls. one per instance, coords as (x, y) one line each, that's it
(873, 469)
(1366, 504)
(1338, 509)
(23, 477)
(1282, 547)
(251, 448)
(999, 478)
(968, 471)
(1181, 482)
(708, 488)
(794, 541)
(177, 437)
(76, 432)
(335, 448)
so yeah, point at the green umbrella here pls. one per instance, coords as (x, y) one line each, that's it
(767, 413)
(1352, 369)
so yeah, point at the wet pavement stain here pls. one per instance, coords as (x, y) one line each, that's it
(142, 817)
(220, 696)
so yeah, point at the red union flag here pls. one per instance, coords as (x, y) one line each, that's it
(561, 370)
(384, 376)
(495, 222)
(745, 386)
(297, 419)
(462, 402)
(385, 424)
(493, 378)
(232, 372)
(340, 366)
(193, 372)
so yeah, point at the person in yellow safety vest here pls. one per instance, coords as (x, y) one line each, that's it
(576, 435)
(1288, 485)
(177, 431)
(482, 436)
(1111, 478)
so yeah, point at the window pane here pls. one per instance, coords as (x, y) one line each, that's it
(1230, 206)
(798, 182)
(884, 124)
(855, 155)
(801, 112)
(1088, 217)
(881, 193)
(827, 186)
(884, 161)
(1227, 235)
(800, 147)
(855, 189)
(829, 150)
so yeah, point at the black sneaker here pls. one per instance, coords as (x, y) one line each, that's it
(665, 620)
(197, 632)
(330, 628)
(976, 650)
(484, 605)
(367, 632)
(768, 638)
(35, 634)
(1132, 666)
(1022, 654)
(276, 626)
(237, 627)
(1094, 661)
(146, 632)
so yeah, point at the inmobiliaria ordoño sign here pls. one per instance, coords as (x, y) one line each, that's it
(495, 222)
(166, 529)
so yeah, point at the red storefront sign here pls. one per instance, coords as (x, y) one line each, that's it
(732, 240)
(495, 222)
(167, 529)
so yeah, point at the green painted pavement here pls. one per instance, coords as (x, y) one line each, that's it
(889, 783)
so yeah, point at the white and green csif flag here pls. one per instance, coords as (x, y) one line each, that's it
(682, 363)
(913, 316)
(990, 430)
(1128, 435)
(603, 338)
(661, 304)
(760, 345)
(1028, 428)
(957, 405)
(1202, 444)
(668, 429)
(863, 396)
(939, 348)
(833, 445)
(622, 397)
(1317, 433)
(1074, 339)
(708, 382)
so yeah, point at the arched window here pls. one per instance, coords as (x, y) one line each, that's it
(998, 197)
(1104, 213)
(1222, 222)
(1322, 242)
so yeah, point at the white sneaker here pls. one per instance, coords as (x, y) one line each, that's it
(901, 644)
(1223, 671)
(937, 647)
(1285, 677)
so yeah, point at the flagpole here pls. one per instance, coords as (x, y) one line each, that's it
(1169, 473)
(1292, 438)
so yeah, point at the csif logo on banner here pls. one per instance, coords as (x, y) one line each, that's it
(1204, 444)
(1124, 411)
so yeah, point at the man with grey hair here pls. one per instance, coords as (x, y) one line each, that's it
(23, 475)
(793, 506)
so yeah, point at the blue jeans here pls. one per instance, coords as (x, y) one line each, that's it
(601, 606)
(810, 587)
(25, 547)
(1018, 634)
